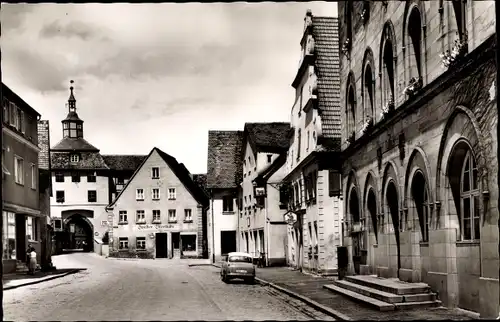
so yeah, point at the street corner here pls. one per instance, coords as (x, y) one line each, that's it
(14, 281)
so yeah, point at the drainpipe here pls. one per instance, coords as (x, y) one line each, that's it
(266, 204)
(213, 224)
(498, 141)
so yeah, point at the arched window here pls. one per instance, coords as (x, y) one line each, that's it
(415, 33)
(469, 199)
(354, 206)
(392, 202)
(388, 71)
(460, 6)
(348, 24)
(371, 204)
(420, 196)
(351, 111)
(369, 92)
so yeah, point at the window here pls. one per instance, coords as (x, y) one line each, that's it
(13, 113)
(156, 216)
(269, 158)
(5, 111)
(73, 158)
(351, 111)
(469, 195)
(240, 259)
(92, 195)
(188, 215)
(9, 235)
(308, 140)
(156, 193)
(388, 75)
(91, 177)
(123, 217)
(421, 199)
(34, 175)
(20, 121)
(368, 89)
(60, 196)
(75, 177)
(227, 204)
(139, 194)
(172, 217)
(171, 194)
(123, 242)
(59, 177)
(140, 216)
(155, 173)
(415, 33)
(140, 243)
(188, 243)
(460, 8)
(31, 228)
(19, 170)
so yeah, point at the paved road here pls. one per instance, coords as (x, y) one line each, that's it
(146, 290)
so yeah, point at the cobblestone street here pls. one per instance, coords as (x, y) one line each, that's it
(147, 290)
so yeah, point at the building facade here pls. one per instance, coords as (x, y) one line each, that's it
(312, 182)
(262, 229)
(160, 212)
(223, 178)
(22, 218)
(83, 182)
(419, 129)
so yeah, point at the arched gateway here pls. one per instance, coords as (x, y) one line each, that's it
(78, 233)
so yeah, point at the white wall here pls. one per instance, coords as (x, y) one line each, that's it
(221, 222)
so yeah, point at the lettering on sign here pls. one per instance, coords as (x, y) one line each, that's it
(143, 227)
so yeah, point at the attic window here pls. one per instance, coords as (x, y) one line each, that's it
(73, 158)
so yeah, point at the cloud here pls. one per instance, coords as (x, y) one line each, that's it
(77, 29)
(156, 74)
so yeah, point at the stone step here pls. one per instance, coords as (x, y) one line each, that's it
(389, 285)
(424, 297)
(414, 305)
(377, 304)
(370, 292)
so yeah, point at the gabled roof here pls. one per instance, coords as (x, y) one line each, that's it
(74, 144)
(122, 162)
(88, 161)
(179, 170)
(224, 169)
(326, 45)
(201, 180)
(267, 137)
(263, 176)
(12, 96)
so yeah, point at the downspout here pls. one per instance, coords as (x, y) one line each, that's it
(213, 223)
(266, 203)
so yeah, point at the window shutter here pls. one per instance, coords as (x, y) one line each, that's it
(334, 183)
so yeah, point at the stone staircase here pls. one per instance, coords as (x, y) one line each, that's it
(21, 267)
(385, 294)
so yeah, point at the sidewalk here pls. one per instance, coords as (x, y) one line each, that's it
(309, 288)
(11, 281)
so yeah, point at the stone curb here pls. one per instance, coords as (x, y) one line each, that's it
(44, 279)
(320, 307)
(193, 265)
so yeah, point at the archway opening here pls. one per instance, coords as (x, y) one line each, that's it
(79, 234)
(420, 196)
(371, 204)
(393, 204)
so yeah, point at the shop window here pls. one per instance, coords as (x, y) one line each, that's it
(188, 243)
(9, 235)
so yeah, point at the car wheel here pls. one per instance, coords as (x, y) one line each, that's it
(224, 278)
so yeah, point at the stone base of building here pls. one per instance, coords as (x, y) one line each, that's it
(9, 266)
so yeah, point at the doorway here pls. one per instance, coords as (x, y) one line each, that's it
(227, 241)
(161, 245)
(176, 245)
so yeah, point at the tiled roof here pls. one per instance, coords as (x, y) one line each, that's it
(224, 169)
(180, 171)
(88, 161)
(72, 116)
(268, 137)
(74, 144)
(326, 44)
(123, 162)
(201, 180)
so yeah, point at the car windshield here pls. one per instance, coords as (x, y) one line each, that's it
(240, 259)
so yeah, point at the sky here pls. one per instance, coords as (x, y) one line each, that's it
(156, 75)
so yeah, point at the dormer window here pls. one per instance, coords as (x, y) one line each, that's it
(74, 158)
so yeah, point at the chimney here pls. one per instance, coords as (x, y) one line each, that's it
(44, 144)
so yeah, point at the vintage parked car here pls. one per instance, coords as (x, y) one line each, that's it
(238, 265)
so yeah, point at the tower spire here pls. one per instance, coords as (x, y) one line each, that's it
(71, 99)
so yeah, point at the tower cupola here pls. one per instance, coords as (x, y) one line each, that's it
(72, 124)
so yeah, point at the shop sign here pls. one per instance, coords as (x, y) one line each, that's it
(290, 218)
(156, 227)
